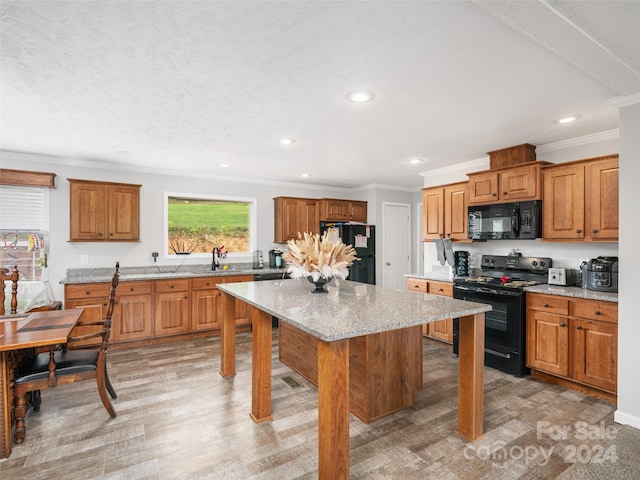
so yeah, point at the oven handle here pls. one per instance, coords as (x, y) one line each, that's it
(489, 291)
(499, 354)
(515, 221)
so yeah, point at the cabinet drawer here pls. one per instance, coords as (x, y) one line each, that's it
(547, 303)
(596, 310)
(417, 285)
(440, 288)
(87, 290)
(134, 288)
(206, 283)
(177, 285)
(238, 278)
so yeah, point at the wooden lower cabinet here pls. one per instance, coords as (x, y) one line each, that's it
(573, 342)
(151, 310)
(133, 312)
(442, 330)
(385, 369)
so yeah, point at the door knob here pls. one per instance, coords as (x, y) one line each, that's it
(388, 264)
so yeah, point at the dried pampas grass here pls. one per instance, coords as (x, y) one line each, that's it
(318, 257)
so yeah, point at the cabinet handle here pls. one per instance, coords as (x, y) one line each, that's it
(494, 194)
(132, 289)
(545, 305)
(100, 234)
(172, 286)
(111, 234)
(440, 290)
(87, 292)
(562, 324)
(595, 230)
(578, 231)
(504, 193)
(578, 327)
(448, 235)
(598, 312)
(185, 297)
(416, 286)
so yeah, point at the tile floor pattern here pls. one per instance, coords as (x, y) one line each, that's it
(178, 418)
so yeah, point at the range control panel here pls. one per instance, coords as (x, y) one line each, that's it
(508, 262)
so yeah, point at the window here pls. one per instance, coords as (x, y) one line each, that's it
(195, 224)
(24, 222)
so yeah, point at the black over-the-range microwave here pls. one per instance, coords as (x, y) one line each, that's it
(505, 221)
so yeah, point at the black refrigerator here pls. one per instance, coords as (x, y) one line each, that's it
(363, 239)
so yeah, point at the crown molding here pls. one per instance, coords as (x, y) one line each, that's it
(625, 100)
(613, 134)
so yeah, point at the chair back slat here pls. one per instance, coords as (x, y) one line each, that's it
(112, 300)
(13, 277)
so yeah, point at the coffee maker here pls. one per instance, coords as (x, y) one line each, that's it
(275, 258)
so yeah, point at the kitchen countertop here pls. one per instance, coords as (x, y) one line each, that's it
(435, 276)
(350, 310)
(575, 292)
(100, 275)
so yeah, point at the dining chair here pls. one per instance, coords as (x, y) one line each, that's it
(61, 367)
(13, 277)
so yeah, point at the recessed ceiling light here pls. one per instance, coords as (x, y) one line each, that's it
(224, 165)
(360, 96)
(287, 141)
(416, 161)
(568, 119)
(305, 175)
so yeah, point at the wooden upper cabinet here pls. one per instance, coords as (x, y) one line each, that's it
(602, 184)
(511, 184)
(336, 210)
(294, 215)
(581, 200)
(444, 211)
(101, 211)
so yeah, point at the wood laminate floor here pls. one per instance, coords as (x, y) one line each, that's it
(178, 418)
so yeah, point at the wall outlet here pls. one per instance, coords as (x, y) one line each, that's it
(155, 256)
(84, 258)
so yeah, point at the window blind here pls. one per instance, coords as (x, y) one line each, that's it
(23, 208)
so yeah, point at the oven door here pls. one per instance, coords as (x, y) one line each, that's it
(504, 327)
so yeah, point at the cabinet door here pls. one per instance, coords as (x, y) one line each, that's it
(358, 211)
(95, 309)
(432, 213)
(334, 210)
(132, 317)
(596, 354)
(171, 313)
(88, 215)
(548, 342)
(455, 211)
(243, 313)
(563, 203)
(519, 184)
(602, 192)
(308, 218)
(124, 212)
(483, 188)
(206, 310)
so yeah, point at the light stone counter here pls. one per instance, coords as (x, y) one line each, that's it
(352, 310)
(575, 292)
(102, 275)
(435, 276)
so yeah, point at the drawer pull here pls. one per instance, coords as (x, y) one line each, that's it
(545, 305)
(595, 230)
(440, 290)
(87, 292)
(172, 286)
(598, 312)
(578, 231)
(416, 286)
(578, 327)
(132, 289)
(562, 324)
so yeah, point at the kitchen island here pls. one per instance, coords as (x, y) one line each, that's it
(349, 311)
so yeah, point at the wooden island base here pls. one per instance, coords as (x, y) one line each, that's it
(385, 369)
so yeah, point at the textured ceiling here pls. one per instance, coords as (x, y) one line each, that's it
(189, 85)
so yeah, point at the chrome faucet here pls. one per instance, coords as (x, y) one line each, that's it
(214, 263)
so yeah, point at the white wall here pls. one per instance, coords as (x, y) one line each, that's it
(629, 321)
(64, 255)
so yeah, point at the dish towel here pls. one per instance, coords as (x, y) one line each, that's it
(448, 252)
(440, 250)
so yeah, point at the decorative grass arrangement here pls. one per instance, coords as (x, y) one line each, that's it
(318, 257)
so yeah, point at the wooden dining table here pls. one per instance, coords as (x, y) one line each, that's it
(17, 332)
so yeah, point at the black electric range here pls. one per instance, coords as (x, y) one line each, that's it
(501, 284)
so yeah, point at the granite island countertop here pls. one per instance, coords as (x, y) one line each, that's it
(435, 276)
(575, 292)
(350, 309)
(101, 275)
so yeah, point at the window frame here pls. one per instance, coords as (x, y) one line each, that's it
(253, 224)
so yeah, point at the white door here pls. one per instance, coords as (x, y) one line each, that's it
(419, 260)
(396, 261)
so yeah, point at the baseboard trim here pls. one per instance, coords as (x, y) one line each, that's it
(626, 419)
